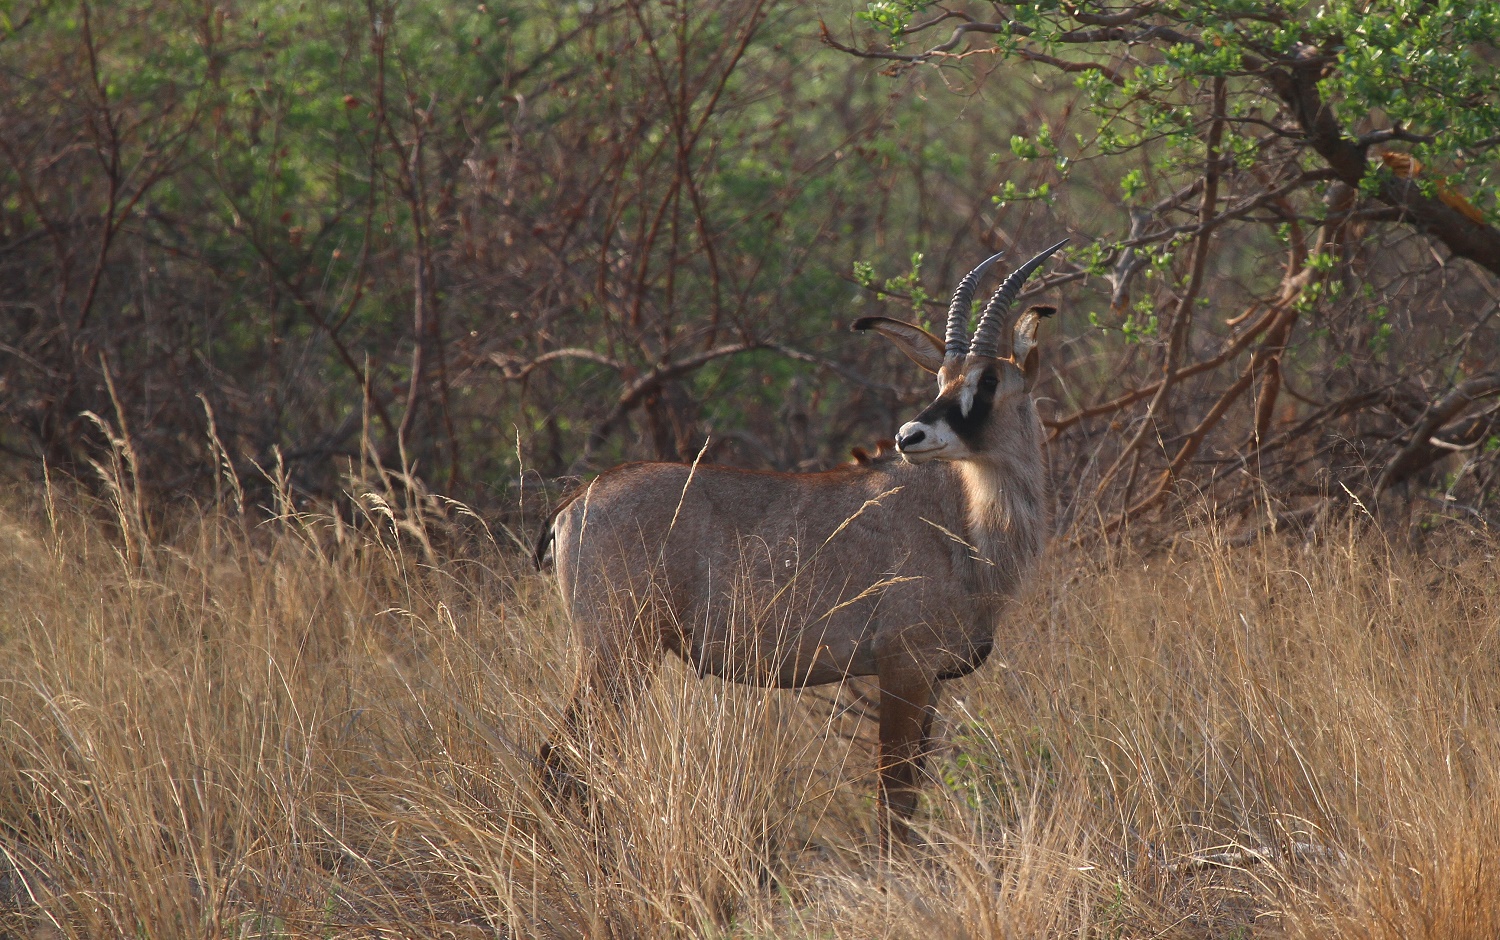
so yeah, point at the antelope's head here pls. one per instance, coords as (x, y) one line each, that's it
(984, 387)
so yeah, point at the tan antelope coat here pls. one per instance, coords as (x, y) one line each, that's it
(892, 568)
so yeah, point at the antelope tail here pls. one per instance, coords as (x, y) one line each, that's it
(542, 555)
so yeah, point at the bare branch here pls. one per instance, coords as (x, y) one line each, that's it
(1067, 66)
(636, 392)
(1182, 320)
(1410, 458)
(1122, 18)
(515, 370)
(1230, 350)
(1390, 134)
(939, 50)
(941, 17)
(1296, 82)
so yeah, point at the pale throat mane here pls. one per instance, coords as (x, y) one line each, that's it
(1007, 505)
(991, 495)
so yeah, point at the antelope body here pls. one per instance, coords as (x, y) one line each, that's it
(892, 568)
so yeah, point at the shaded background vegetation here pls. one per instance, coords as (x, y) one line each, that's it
(479, 240)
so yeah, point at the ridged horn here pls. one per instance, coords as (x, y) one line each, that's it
(994, 323)
(956, 337)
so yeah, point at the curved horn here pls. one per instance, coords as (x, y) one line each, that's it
(956, 337)
(994, 323)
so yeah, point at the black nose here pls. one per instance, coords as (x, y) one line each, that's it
(907, 440)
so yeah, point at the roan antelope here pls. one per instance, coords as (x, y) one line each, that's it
(897, 569)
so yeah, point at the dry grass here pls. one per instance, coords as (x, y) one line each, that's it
(305, 727)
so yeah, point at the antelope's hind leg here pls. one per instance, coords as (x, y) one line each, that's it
(611, 675)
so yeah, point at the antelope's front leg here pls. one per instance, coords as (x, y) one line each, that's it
(907, 696)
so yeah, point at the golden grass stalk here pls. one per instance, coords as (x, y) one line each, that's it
(325, 725)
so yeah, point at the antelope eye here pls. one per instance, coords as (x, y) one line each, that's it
(988, 382)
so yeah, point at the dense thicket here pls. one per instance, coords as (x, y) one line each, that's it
(475, 239)
(1306, 175)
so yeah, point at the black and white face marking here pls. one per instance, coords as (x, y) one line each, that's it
(952, 426)
(979, 386)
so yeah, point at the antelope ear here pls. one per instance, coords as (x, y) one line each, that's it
(1031, 369)
(1025, 332)
(1026, 352)
(919, 345)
